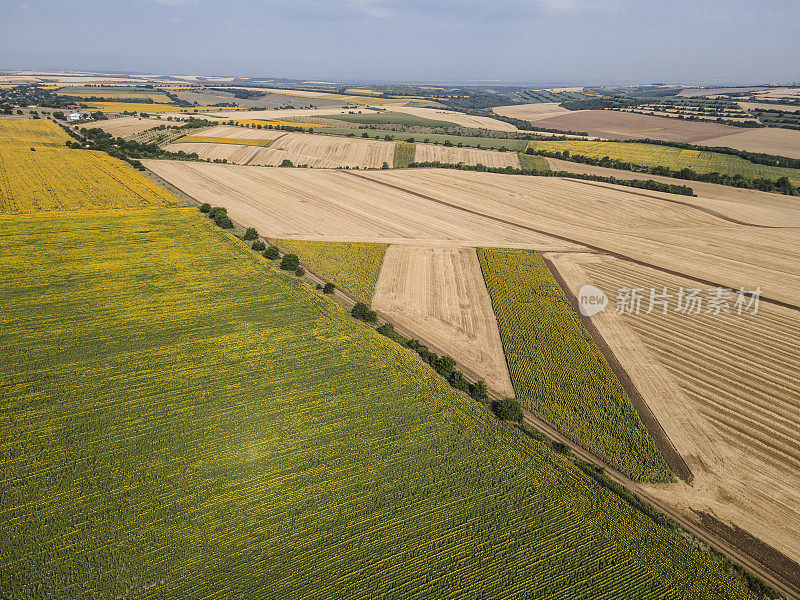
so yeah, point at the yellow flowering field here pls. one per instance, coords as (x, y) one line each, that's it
(353, 266)
(557, 370)
(183, 420)
(403, 154)
(652, 155)
(31, 132)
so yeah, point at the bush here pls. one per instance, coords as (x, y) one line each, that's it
(287, 163)
(272, 253)
(300, 271)
(250, 234)
(205, 207)
(259, 246)
(319, 287)
(217, 210)
(290, 262)
(508, 409)
(224, 222)
(362, 312)
(479, 391)
(329, 288)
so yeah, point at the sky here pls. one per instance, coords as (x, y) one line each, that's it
(525, 41)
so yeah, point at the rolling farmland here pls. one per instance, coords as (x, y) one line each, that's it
(205, 139)
(674, 158)
(531, 112)
(455, 118)
(58, 178)
(181, 444)
(301, 149)
(616, 125)
(750, 206)
(469, 156)
(557, 370)
(337, 206)
(637, 225)
(354, 267)
(392, 118)
(437, 206)
(128, 126)
(724, 388)
(439, 294)
(27, 132)
(769, 140)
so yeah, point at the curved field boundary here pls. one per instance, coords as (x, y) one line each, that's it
(671, 455)
(570, 240)
(708, 211)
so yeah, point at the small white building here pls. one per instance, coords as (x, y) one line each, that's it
(77, 116)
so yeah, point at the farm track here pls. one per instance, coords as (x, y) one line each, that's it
(713, 537)
(567, 239)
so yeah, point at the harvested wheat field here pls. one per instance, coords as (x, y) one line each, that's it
(241, 133)
(617, 125)
(531, 112)
(725, 390)
(128, 126)
(623, 220)
(750, 206)
(439, 294)
(318, 151)
(288, 113)
(768, 140)
(468, 156)
(456, 118)
(337, 206)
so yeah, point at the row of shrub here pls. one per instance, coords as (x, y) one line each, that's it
(508, 408)
(444, 365)
(647, 184)
(782, 185)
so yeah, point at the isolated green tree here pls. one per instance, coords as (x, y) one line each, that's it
(272, 253)
(362, 312)
(509, 409)
(290, 262)
(250, 234)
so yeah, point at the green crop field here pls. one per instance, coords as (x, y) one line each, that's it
(556, 368)
(115, 92)
(181, 420)
(403, 154)
(530, 162)
(352, 266)
(652, 155)
(392, 118)
(487, 143)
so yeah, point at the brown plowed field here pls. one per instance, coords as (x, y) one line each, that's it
(768, 140)
(725, 390)
(439, 293)
(616, 125)
(469, 156)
